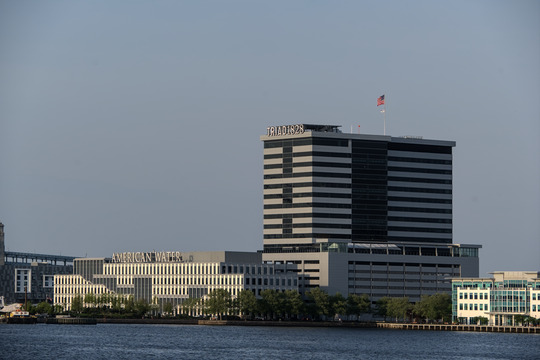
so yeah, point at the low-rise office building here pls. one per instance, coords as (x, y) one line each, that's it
(379, 269)
(170, 277)
(498, 299)
(29, 277)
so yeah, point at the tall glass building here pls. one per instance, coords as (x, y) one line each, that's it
(356, 213)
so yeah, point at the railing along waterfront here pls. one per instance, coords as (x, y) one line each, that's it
(448, 327)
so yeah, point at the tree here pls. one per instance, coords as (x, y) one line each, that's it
(480, 320)
(77, 304)
(90, 299)
(189, 305)
(104, 299)
(57, 309)
(218, 302)
(338, 304)
(434, 307)
(529, 320)
(44, 308)
(246, 302)
(168, 308)
(293, 303)
(381, 307)
(399, 307)
(321, 301)
(273, 301)
(129, 304)
(519, 319)
(116, 302)
(358, 304)
(141, 307)
(29, 307)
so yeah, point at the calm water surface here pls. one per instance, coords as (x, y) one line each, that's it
(109, 341)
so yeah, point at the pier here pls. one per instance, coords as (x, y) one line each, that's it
(448, 327)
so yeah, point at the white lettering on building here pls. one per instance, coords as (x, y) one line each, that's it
(148, 257)
(285, 130)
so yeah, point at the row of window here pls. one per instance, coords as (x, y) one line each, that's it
(23, 280)
(419, 170)
(308, 174)
(406, 288)
(481, 307)
(308, 194)
(420, 200)
(417, 160)
(353, 195)
(307, 215)
(310, 153)
(310, 164)
(308, 184)
(474, 296)
(184, 269)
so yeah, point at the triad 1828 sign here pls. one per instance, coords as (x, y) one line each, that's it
(285, 130)
(149, 257)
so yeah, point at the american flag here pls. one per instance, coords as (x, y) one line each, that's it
(380, 100)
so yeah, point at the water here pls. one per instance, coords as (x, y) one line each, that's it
(113, 341)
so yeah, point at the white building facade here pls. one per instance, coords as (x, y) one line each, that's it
(170, 277)
(499, 299)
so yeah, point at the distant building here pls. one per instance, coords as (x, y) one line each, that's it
(170, 277)
(28, 276)
(498, 299)
(2, 245)
(362, 214)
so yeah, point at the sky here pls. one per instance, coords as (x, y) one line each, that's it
(135, 125)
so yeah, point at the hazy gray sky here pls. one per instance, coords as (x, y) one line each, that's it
(134, 125)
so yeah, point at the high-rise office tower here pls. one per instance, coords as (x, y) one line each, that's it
(323, 184)
(326, 191)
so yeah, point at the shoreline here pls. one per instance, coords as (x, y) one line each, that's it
(336, 324)
(272, 323)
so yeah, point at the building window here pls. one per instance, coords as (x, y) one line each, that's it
(534, 296)
(465, 295)
(461, 296)
(22, 280)
(465, 307)
(48, 281)
(481, 306)
(486, 307)
(475, 306)
(460, 306)
(475, 296)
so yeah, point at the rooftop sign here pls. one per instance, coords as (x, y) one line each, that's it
(285, 130)
(148, 257)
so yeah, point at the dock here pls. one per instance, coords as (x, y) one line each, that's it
(449, 327)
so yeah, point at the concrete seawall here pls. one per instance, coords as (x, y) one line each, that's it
(345, 324)
(288, 323)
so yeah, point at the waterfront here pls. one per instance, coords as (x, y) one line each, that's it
(120, 341)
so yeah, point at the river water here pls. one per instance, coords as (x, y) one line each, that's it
(118, 341)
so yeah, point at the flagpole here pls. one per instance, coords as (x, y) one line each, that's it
(384, 115)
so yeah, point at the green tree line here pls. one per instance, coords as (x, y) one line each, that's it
(271, 304)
